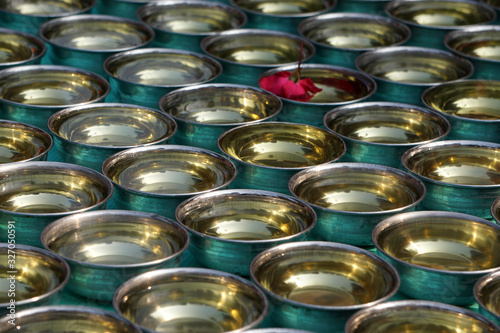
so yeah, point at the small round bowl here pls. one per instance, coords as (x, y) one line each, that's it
(195, 299)
(340, 37)
(158, 178)
(61, 318)
(108, 247)
(340, 86)
(246, 53)
(352, 198)
(460, 176)
(23, 142)
(87, 135)
(418, 316)
(20, 48)
(486, 295)
(443, 253)
(32, 93)
(29, 15)
(33, 276)
(229, 228)
(403, 73)
(88, 40)
(143, 76)
(381, 132)
(495, 210)
(37, 193)
(471, 106)
(183, 24)
(204, 112)
(268, 154)
(431, 20)
(321, 284)
(479, 45)
(281, 15)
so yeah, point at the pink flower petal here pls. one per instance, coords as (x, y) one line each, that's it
(274, 83)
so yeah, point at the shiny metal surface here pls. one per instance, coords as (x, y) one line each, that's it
(486, 292)
(379, 133)
(40, 277)
(320, 284)
(23, 142)
(106, 248)
(418, 316)
(196, 300)
(495, 210)
(18, 48)
(442, 252)
(229, 228)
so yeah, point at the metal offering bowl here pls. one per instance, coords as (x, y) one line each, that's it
(183, 24)
(352, 198)
(204, 112)
(246, 53)
(20, 48)
(418, 316)
(431, 20)
(143, 76)
(403, 73)
(23, 142)
(229, 228)
(158, 178)
(61, 318)
(108, 247)
(380, 132)
(340, 86)
(481, 46)
(32, 93)
(460, 176)
(442, 252)
(321, 284)
(195, 299)
(89, 134)
(486, 295)
(471, 106)
(340, 37)
(36, 193)
(495, 210)
(88, 40)
(268, 154)
(33, 276)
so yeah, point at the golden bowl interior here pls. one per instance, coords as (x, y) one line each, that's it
(16, 47)
(282, 145)
(386, 124)
(37, 274)
(19, 142)
(169, 171)
(482, 43)
(45, 8)
(284, 7)
(487, 293)
(458, 164)
(112, 125)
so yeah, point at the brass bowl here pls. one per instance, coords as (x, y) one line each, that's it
(87, 135)
(418, 316)
(195, 299)
(380, 132)
(495, 210)
(108, 247)
(443, 253)
(268, 154)
(20, 48)
(33, 276)
(228, 228)
(403, 73)
(23, 142)
(158, 178)
(486, 295)
(32, 93)
(460, 176)
(352, 198)
(471, 106)
(321, 284)
(143, 76)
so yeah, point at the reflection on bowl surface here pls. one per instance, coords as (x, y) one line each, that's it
(19, 48)
(478, 42)
(284, 8)
(22, 142)
(45, 8)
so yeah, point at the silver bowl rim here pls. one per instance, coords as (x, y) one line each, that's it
(480, 284)
(393, 105)
(29, 37)
(331, 4)
(486, 3)
(52, 15)
(242, 193)
(87, 216)
(471, 30)
(33, 128)
(494, 208)
(279, 250)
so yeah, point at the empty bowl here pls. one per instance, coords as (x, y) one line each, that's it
(20, 48)
(486, 295)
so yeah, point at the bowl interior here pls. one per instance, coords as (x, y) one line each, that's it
(483, 43)
(112, 126)
(15, 47)
(20, 142)
(488, 294)
(477, 100)
(281, 145)
(495, 210)
(284, 7)
(42, 8)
